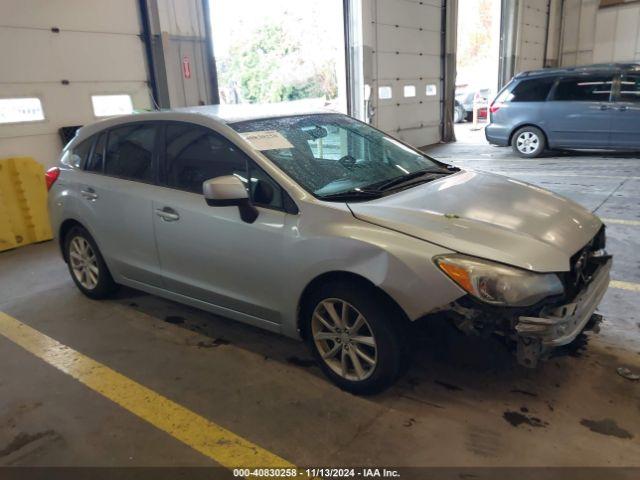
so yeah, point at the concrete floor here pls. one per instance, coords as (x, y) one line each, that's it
(463, 402)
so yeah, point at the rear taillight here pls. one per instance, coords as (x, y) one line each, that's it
(51, 176)
(495, 107)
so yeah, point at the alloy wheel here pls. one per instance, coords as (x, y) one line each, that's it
(344, 339)
(84, 263)
(527, 142)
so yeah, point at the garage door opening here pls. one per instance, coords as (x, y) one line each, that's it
(268, 52)
(477, 65)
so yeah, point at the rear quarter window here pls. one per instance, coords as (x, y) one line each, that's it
(630, 88)
(77, 155)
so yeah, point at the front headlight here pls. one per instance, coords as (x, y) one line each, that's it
(499, 284)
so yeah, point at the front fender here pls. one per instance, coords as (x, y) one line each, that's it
(398, 264)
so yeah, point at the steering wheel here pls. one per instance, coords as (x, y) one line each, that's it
(347, 161)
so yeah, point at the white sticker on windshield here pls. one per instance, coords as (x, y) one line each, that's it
(266, 140)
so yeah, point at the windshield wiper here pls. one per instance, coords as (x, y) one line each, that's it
(354, 194)
(394, 182)
(376, 190)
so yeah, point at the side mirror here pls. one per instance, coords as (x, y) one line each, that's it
(229, 191)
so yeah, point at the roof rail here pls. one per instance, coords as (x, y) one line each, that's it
(580, 69)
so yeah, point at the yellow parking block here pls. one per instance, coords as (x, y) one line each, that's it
(221, 445)
(24, 217)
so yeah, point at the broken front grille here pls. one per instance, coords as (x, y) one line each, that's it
(584, 264)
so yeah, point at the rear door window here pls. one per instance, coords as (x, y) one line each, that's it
(591, 88)
(129, 152)
(194, 154)
(630, 88)
(533, 90)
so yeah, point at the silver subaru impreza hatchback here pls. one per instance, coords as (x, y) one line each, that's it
(317, 226)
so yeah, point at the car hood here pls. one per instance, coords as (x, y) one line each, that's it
(488, 216)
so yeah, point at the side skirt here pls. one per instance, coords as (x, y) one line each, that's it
(209, 307)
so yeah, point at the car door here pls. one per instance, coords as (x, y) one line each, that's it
(209, 253)
(116, 189)
(579, 111)
(625, 124)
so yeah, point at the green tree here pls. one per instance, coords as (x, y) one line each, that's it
(270, 67)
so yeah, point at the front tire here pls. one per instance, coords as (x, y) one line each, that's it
(458, 115)
(86, 265)
(528, 142)
(356, 336)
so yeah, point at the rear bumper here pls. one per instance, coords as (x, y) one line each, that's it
(496, 135)
(561, 325)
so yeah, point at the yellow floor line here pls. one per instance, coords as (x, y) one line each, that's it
(224, 447)
(634, 287)
(620, 221)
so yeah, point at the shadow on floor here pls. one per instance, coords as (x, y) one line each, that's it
(444, 361)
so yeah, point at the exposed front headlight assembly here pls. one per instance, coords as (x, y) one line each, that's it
(499, 284)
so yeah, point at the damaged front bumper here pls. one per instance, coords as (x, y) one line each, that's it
(536, 333)
(557, 326)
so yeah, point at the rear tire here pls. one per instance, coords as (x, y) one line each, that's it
(86, 265)
(528, 142)
(362, 350)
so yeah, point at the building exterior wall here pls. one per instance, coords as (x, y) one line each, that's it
(531, 34)
(63, 51)
(401, 47)
(179, 26)
(592, 33)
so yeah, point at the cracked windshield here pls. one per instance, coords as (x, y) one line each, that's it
(333, 155)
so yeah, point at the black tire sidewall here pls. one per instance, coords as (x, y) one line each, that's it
(386, 323)
(106, 285)
(542, 144)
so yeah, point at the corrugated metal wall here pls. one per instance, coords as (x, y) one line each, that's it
(63, 51)
(96, 50)
(181, 28)
(524, 37)
(599, 35)
(531, 35)
(578, 31)
(402, 49)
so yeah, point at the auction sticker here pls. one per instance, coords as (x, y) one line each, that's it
(266, 140)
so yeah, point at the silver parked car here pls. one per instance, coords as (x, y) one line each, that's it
(318, 226)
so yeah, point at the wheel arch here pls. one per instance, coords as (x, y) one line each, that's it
(335, 276)
(529, 124)
(65, 228)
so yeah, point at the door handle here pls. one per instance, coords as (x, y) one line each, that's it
(89, 193)
(167, 214)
